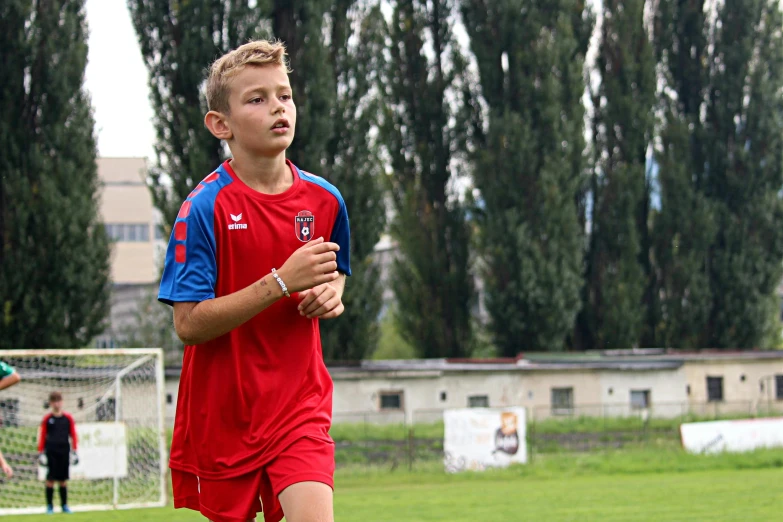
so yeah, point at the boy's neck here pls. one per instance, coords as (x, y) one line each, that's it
(263, 174)
(57, 413)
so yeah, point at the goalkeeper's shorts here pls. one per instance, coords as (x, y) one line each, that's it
(237, 499)
(58, 463)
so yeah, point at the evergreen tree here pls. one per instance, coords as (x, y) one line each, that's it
(744, 172)
(618, 264)
(530, 166)
(683, 227)
(354, 165)
(425, 132)
(179, 40)
(718, 245)
(298, 23)
(54, 251)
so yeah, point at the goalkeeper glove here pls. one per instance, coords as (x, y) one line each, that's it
(42, 460)
(74, 458)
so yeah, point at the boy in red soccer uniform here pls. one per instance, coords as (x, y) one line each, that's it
(54, 450)
(258, 253)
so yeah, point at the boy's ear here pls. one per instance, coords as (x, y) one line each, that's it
(217, 124)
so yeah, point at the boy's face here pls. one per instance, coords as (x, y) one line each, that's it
(262, 115)
(56, 406)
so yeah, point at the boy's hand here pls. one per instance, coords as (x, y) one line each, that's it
(42, 460)
(322, 301)
(7, 470)
(311, 265)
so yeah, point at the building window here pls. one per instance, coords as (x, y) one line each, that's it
(640, 399)
(169, 399)
(128, 232)
(478, 401)
(105, 341)
(391, 400)
(443, 396)
(562, 401)
(714, 389)
(779, 386)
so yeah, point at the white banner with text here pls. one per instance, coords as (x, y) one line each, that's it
(732, 435)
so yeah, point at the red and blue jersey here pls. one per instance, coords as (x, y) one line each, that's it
(248, 394)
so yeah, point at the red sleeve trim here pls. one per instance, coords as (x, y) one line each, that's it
(42, 432)
(74, 438)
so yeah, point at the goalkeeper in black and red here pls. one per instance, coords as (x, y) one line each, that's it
(56, 440)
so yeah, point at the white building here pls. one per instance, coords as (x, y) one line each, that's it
(663, 384)
(131, 221)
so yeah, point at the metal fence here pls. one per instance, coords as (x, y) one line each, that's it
(383, 439)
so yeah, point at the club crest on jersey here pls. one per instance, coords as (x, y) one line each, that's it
(304, 224)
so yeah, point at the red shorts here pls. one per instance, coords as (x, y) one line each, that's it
(237, 499)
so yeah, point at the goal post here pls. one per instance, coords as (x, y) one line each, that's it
(117, 399)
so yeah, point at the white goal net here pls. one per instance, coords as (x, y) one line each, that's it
(116, 400)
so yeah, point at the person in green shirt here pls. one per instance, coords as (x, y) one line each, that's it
(8, 376)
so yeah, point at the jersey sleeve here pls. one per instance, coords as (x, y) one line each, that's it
(5, 370)
(341, 234)
(42, 433)
(74, 438)
(190, 269)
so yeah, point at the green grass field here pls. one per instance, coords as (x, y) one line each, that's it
(613, 486)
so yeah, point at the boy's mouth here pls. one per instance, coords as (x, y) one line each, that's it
(281, 126)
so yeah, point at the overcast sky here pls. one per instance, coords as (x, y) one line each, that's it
(117, 81)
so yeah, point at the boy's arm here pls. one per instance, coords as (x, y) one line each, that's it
(5, 467)
(339, 285)
(8, 376)
(10, 380)
(197, 323)
(312, 264)
(74, 438)
(326, 301)
(42, 433)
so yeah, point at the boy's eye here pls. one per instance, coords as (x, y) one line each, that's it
(285, 97)
(255, 100)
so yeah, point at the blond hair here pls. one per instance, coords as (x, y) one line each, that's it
(259, 53)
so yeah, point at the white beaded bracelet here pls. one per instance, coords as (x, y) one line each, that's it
(280, 282)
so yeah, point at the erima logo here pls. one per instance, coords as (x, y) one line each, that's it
(235, 225)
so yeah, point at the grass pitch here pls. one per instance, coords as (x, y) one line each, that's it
(523, 495)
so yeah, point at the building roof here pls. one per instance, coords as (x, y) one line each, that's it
(615, 360)
(436, 367)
